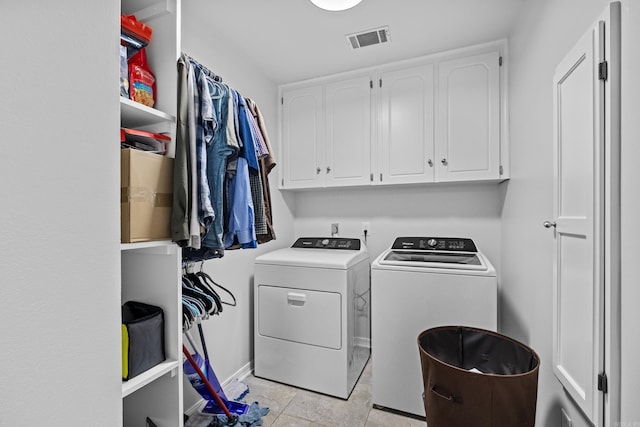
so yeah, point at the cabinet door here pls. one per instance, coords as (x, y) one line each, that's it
(468, 119)
(405, 151)
(348, 135)
(302, 137)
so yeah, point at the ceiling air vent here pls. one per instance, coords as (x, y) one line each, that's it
(368, 38)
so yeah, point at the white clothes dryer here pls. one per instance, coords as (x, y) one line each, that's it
(311, 314)
(417, 284)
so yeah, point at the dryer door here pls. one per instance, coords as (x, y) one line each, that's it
(300, 315)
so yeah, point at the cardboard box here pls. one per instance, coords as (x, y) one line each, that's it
(146, 196)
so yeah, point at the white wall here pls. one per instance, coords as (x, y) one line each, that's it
(545, 33)
(630, 213)
(59, 232)
(229, 337)
(452, 210)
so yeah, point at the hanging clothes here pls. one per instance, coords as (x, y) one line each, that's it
(181, 175)
(210, 92)
(257, 222)
(223, 157)
(267, 163)
(241, 220)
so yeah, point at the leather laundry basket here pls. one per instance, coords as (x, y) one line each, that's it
(502, 394)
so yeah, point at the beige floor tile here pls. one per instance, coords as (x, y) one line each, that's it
(272, 395)
(330, 411)
(378, 418)
(270, 419)
(285, 420)
(292, 407)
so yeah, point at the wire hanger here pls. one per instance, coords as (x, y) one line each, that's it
(210, 281)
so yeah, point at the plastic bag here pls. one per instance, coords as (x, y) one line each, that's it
(142, 82)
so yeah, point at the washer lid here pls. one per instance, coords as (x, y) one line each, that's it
(334, 258)
(450, 253)
(434, 259)
(458, 258)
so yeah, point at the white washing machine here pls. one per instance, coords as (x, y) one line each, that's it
(311, 314)
(417, 284)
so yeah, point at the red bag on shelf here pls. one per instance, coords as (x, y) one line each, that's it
(142, 82)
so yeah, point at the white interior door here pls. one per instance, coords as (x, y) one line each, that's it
(578, 356)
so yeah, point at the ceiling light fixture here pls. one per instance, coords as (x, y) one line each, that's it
(335, 5)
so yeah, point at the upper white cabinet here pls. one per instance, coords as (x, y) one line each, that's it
(405, 122)
(326, 134)
(348, 132)
(302, 137)
(433, 119)
(468, 119)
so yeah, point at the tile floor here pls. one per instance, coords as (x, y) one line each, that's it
(292, 407)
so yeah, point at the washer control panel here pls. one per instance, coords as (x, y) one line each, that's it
(327, 243)
(435, 244)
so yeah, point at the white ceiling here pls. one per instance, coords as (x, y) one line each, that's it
(292, 40)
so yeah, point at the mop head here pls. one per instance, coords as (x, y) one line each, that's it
(235, 390)
(251, 418)
(234, 407)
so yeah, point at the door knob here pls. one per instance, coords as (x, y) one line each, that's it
(328, 169)
(430, 163)
(549, 224)
(444, 162)
(318, 170)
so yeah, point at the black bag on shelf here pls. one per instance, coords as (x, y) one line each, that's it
(142, 338)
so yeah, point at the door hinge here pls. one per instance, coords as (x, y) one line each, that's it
(501, 170)
(282, 100)
(500, 61)
(380, 83)
(603, 385)
(603, 71)
(371, 177)
(380, 177)
(371, 84)
(283, 182)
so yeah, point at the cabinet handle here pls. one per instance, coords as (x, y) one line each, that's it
(549, 224)
(430, 163)
(328, 169)
(444, 162)
(318, 170)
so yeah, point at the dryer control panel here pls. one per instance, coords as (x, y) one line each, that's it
(327, 243)
(435, 244)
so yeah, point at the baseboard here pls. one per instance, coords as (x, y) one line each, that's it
(194, 408)
(240, 374)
